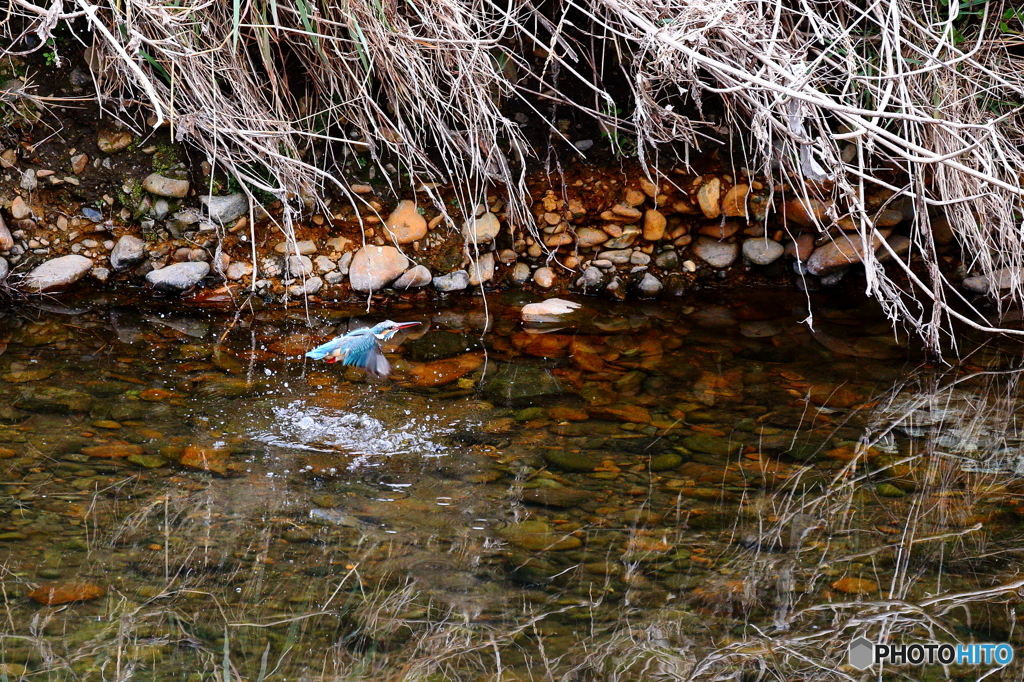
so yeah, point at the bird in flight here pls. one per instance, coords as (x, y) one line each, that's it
(361, 347)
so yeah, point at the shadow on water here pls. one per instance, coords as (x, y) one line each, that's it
(660, 492)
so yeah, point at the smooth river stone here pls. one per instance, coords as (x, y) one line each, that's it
(225, 209)
(374, 267)
(761, 251)
(57, 273)
(129, 251)
(165, 187)
(405, 225)
(715, 253)
(178, 277)
(482, 230)
(538, 536)
(548, 311)
(839, 254)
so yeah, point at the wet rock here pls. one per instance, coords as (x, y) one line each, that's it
(436, 345)
(708, 197)
(654, 225)
(568, 460)
(64, 593)
(225, 209)
(538, 536)
(481, 269)
(413, 278)
(626, 239)
(325, 264)
(839, 396)
(713, 445)
(26, 375)
(666, 461)
(405, 225)
(592, 278)
(374, 267)
(29, 181)
(544, 277)
(481, 230)
(53, 400)
(860, 586)
(4, 269)
(649, 286)
(311, 286)
(112, 141)
(587, 237)
(899, 244)
(1003, 278)
(762, 251)
(734, 203)
(839, 254)
(598, 394)
(520, 273)
(667, 260)
(178, 277)
(550, 310)
(715, 253)
(113, 450)
(440, 372)
(205, 458)
(128, 252)
(453, 281)
(521, 384)
(57, 273)
(165, 187)
(565, 498)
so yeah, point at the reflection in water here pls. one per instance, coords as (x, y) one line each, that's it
(671, 493)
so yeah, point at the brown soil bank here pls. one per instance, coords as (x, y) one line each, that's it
(102, 207)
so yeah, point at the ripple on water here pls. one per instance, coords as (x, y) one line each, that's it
(306, 427)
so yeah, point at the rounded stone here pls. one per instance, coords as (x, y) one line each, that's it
(4, 269)
(128, 251)
(544, 277)
(762, 251)
(839, 254)
(587, 237)
(57, 273)
(708, 197)
(482, 230)
(654, 225)
(405, 225)
(482, 269)
(520, 273)
(374, 267)
(164, 186)
(649, 286)
(298, 266)
(715, 253)
(226, 209)
(179, 276)
(453, 281)
(413, 278)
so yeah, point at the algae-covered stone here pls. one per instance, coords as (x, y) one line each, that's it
(713, 445)
(666, 461)
(521, 384)
(436, 345)
(538, 536)
(567, 460)
(53, 400)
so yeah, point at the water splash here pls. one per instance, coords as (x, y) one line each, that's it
(302, 426)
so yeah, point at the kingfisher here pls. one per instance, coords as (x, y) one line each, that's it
(361, 347)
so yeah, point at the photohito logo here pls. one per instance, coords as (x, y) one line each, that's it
(864, 653)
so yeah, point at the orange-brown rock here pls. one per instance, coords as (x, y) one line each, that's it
(622, 413)
(806, 212)
(542, 345)
(830, 395)
(568, 414)
(654, 225)
(440, 372)
(720, 230)
(7, 453)
(708, 197)
(855, 586)
(63, 593)
(113, 450)
(156, 395)
(585, 355)
(205, 458)
(734, 203)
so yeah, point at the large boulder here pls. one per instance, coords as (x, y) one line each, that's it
(375, 267)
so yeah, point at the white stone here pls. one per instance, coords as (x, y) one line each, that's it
(762, 251)
(548, 311)
(4, 269)
(592, 278)
(587, 237)
(100, 274)
(715, 253)
(238, 269)
(520, 273)
(307, 288)
(179, 276)
(413, 278)
(649, 286)
(374, 267)
(57, 273)
(324, 264)
(618, 257)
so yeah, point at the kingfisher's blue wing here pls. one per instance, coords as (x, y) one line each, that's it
(359, 350)
(329, 348)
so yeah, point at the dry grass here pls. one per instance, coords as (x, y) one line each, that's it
(838, 99)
